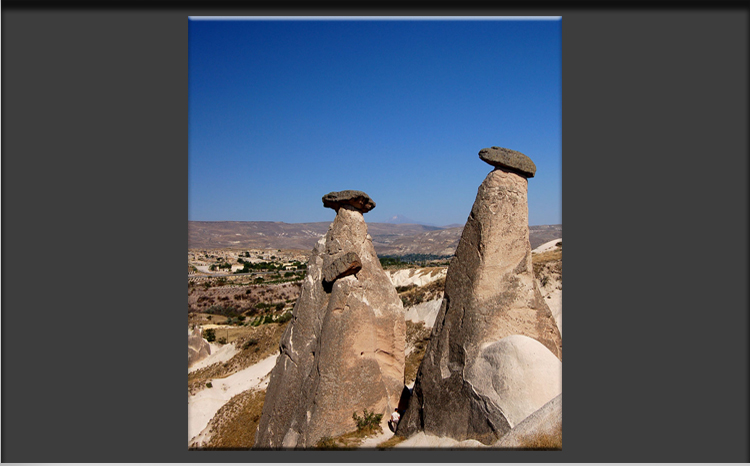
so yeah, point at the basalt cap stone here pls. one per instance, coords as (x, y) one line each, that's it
(345, 265)
(507, 158)
(356, 199)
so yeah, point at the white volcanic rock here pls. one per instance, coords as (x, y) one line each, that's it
(416, 276)
(198, 348)
(424, 312)
(518, 375)
(548, 246)
(546, 421)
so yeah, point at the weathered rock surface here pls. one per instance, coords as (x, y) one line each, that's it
(517, 375)
(507, 158)
(347, 264)
(198, 348)
(416, 276)
(356, 199)
(343, 351)
(544, 422)
(424, 312)
(490, 294)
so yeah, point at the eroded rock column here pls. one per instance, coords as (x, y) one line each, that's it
(490, 294)
(344, 348)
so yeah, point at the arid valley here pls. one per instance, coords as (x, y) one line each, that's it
(244, 279)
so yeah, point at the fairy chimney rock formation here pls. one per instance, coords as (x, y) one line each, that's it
(490, 294)
(343, 351)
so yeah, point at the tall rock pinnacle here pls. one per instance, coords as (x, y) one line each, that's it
(343, 351)
(490, 294)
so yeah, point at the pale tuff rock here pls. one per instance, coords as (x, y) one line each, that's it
(424, 312)
(546, 421)
(490, 294)
(198, 348)
(418, 276)
(343, 351)
(517, 375)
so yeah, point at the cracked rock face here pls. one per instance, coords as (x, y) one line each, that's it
(343, 351)
(490, 294)
(198, 348)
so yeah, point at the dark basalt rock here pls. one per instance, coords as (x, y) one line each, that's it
(348, 264)
(357, 199)
(507, 158)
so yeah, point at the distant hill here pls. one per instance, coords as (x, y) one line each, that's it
(388, 238)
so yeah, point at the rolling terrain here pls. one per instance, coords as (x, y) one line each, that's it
(388, 238)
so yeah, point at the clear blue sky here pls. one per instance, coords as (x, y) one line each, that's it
(282, 112)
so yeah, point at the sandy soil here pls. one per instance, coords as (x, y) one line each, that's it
(219, 353)
(204, 405)
(548, 246)
(422, 440)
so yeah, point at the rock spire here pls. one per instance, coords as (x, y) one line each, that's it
(343, 351)
(490, 294)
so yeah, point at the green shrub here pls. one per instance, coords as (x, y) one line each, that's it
(209, 385)
(209, 335)
(222, 341)
(250, 343)
(368, 422)
(285, 317)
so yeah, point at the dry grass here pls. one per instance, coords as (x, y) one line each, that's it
(234, 424)
(543, 440)
(417, 335)
(255, 345)
(547, 263)
(547, 256)
(390, 443)
(421, 294)
(348, 441)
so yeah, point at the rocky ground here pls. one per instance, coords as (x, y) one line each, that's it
(238, 371)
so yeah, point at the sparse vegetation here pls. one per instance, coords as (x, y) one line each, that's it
(327, 443)
(267, 338)
(421, 294)
(391, 442)
(235, 423)
(209, 334)
(368, 423)
(417, 336)
(543, 440)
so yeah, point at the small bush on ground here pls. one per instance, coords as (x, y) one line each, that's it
(369, 422)
(327, 443)
(209, 335)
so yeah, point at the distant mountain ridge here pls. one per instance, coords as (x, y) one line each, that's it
(388, 238)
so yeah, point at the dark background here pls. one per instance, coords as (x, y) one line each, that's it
(94, 211)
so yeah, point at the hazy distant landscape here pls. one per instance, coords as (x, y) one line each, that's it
(388, 238)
